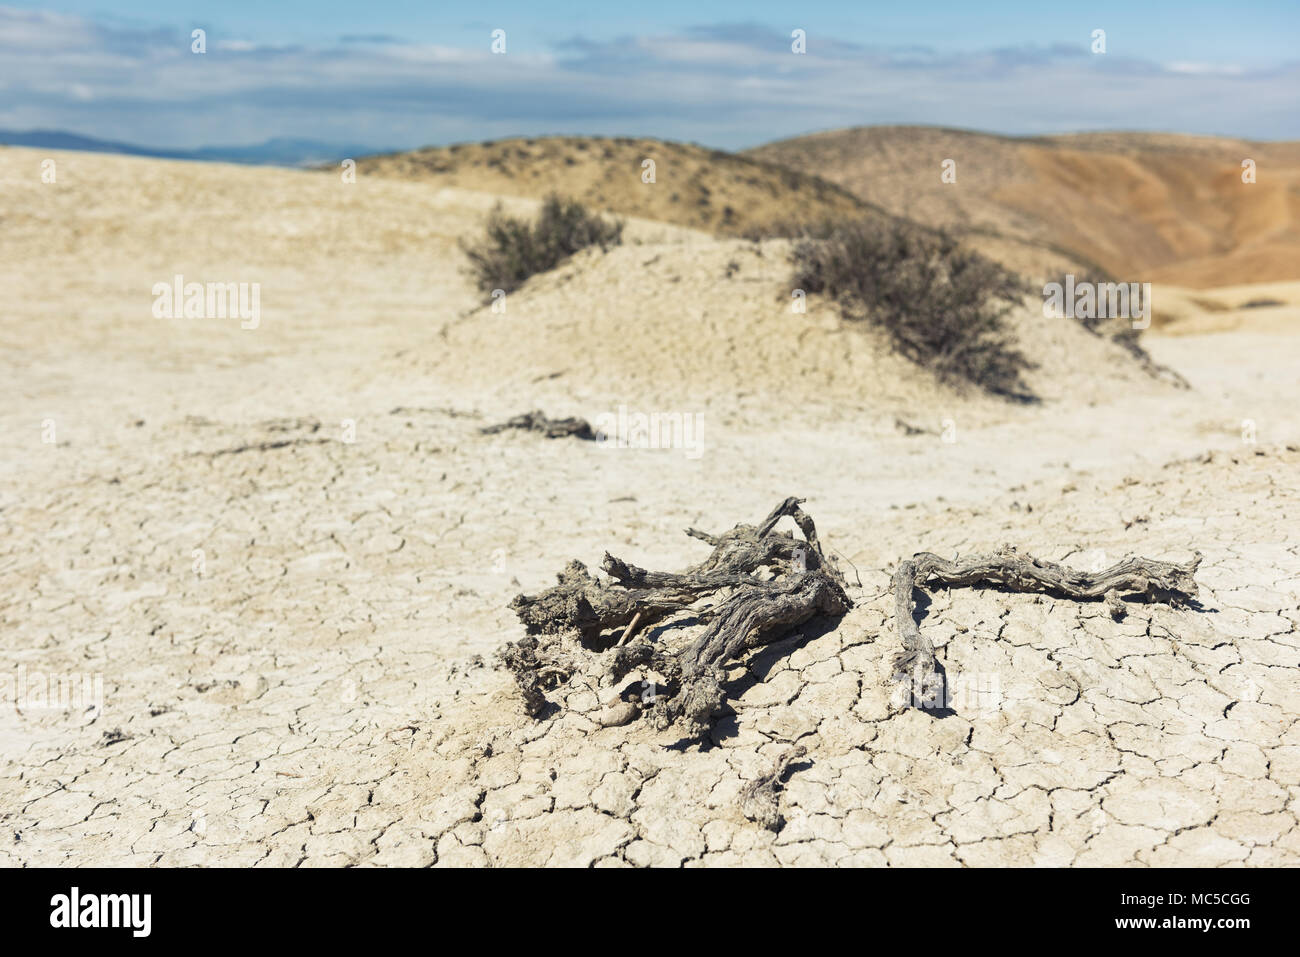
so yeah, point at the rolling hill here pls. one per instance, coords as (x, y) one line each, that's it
(693, 186)
(1144, 207)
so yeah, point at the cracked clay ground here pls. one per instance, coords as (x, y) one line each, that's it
(295, 624)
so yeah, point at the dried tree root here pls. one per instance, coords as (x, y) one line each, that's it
(756, 586)
(536, 421)
(761, 799)
(1007, 569)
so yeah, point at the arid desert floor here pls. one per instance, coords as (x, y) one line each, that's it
(288, 551)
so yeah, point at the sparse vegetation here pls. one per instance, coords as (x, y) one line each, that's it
(515, 249)
(943, 305)
(594, 171)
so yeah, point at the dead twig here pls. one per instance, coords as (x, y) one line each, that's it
(536, 421)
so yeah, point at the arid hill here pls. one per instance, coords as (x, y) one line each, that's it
(693, 186)
(707, 323)
(1144, 207)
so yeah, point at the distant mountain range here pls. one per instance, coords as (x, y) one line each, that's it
(281, 151)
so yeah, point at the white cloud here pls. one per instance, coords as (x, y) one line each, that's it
(726, 85)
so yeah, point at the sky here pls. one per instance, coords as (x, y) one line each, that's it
(392, 75)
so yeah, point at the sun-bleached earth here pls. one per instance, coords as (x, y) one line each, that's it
(288, 551)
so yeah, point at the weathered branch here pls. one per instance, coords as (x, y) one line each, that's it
(1007, 569)
(536, 421)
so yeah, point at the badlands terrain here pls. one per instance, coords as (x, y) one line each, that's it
(288, 551)
(1166, 207)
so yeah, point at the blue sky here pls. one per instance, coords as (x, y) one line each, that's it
(400, 74)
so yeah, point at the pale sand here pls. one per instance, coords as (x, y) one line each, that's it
(323, 693)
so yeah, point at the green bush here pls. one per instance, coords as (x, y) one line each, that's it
(944, 306)
(515, 249)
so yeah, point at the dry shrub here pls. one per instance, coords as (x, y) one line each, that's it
(943, 305)
(514, 249)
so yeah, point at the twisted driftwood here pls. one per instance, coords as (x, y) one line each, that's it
(1007, 569)
(536, 421)
(754, 587)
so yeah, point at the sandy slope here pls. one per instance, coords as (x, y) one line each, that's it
(1146, 207)
(702, 324)
(318, 689)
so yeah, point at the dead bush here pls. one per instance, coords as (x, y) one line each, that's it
(943, 305)
(514, 249)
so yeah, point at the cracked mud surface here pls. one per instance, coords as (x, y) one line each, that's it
(317, 688)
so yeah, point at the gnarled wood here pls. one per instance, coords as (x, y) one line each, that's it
(1144, 577)
(767, 583)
